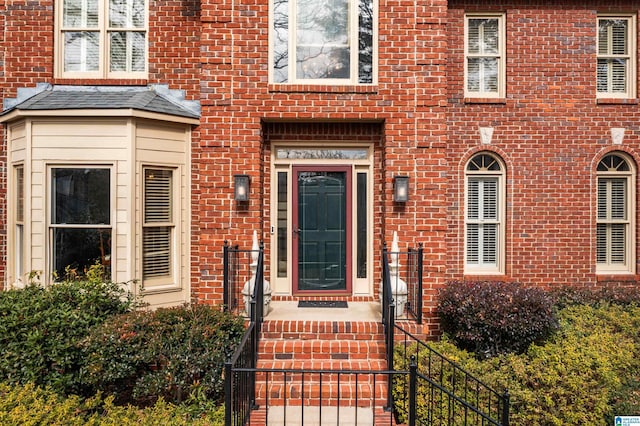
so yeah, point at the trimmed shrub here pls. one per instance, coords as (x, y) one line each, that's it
(141, 356)
(567, 296)
(30, 405)
(491, 318)
(583, 375)
(40, 328)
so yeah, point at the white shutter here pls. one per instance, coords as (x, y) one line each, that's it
(490, 36)
(490, 199)
(473, 243)
(158, 226)
(489, 243)
(473, 199)
(602, 198)
(618, 243)
(473, 36)
(601, 243)
(618, 199)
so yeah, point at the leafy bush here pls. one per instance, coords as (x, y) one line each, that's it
(583, 375)
(168, 353)
(566, 296)
(41, 326)
(30, 405)
(491, 318)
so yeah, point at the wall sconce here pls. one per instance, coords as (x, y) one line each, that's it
(401, 189)
(241, 188)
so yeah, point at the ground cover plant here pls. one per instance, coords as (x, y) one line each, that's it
(586, 372)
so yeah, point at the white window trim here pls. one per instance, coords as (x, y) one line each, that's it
(172, 282)
(103, 39)
(499, 268)
(501, 55)
(51, 226)
(630, 249)
(353, 43)
(631, 56)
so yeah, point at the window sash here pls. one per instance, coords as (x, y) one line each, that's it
(615, 49)
(484, 55)
(322, 42)
(107, 41)
(613, 223)
(158, 224)
(483, 223)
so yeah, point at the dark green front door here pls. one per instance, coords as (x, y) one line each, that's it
(322, 229)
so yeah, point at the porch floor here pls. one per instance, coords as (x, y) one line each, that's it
(357, 311)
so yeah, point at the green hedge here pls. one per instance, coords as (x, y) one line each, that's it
(168, 353)
(41, 326)
(584, 374)
(30, 405)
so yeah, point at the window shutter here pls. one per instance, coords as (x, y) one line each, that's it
(489, 243)
(490, 199)
(473, 243)
(157, 240)
(473, 199)
(619, 37)
(490, 36)
(618, 199)
(473, 35)
(618, 243)
(601, 243)
(619, 75)
(602, 198)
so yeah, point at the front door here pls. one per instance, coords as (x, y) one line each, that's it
(322, 229)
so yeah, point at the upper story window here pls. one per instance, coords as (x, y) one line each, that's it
(323, 41)
(616, 57)
(102, 39)
(614, 236)
(484, 216)
(484, 50)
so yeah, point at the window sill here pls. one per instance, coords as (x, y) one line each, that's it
(485, 100)
(317, 88)
(617, 101)
(489, 276)
(101, 81)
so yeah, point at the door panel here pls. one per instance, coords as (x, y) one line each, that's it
(322, 229)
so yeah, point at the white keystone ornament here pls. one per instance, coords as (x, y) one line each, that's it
(247, 290)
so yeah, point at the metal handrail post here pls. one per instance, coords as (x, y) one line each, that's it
(420, 269)
(228, 392)
(413, 397)
(225, 278)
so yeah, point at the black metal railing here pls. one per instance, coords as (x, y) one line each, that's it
(410, 272)
(450, 395)
(240, 368)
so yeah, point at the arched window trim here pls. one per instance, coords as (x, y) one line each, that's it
(610, 227)
(484, 216)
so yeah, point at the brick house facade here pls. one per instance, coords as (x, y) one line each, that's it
(547, 211)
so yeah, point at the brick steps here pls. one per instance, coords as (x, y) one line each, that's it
(321, 345)
(290, 416)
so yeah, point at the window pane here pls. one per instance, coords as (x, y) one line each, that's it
(127, 51)
(322, 39)
(126, 13)
(618, 243)
(81, 196)
(482, 75)
(335, 154)
(79, 249)
(473, 199)
(282, 224)
(156, 256)
(602, 198)
(280, 41)
(601, 243)
(489, 243)
(365, 42)
(473, 243)
(80, 13)
(157, 195)
(473, 74)
(618, 199)
(362, 225)
(81, 51)
(19, 194)
(483, 36)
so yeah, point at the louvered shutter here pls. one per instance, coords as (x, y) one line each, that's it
(611, 233)
(158, 225)
(482, 221)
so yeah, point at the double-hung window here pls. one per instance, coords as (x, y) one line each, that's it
(323, 41)
(102, 38)
(484, 216)
(80, 228)
(158, 228)
(484, 56)
(616, 57)
(614, 215)
(19, 223)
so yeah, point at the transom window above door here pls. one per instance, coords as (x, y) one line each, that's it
(323, 41)
(101, 38)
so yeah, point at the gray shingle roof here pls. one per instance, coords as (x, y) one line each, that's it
(97, 97)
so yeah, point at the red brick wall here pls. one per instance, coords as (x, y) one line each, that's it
(550, 132)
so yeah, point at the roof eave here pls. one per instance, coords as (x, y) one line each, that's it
(17, 114)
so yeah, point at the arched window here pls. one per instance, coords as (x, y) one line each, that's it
(614, 214)
(484, 215)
